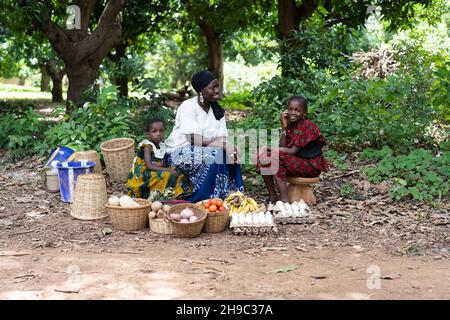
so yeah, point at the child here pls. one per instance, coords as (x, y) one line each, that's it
(150, 171)
(299, 154)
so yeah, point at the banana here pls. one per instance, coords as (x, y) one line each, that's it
(253, 204)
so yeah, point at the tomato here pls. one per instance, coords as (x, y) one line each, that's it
(212, 208)
(206, 205)
(219, 203)
(221, 208)
(210, 201)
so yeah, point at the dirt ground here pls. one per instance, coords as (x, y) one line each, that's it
(366, 247)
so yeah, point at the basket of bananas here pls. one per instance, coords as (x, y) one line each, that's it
(239, 203)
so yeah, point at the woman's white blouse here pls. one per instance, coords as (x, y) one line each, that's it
(192, 119)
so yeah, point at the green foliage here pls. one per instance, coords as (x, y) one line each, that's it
(352, 112)
(237, 101)
(21, 133)
(346, 190)
(87, 127)
(337, 160)
(419, 175)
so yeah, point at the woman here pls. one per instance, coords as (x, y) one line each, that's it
(198, 143)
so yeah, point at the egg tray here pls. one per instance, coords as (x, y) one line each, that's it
(294, 220)
(254, 230)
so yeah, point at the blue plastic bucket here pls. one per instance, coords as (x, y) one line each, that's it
(60, 154)
(67, 175)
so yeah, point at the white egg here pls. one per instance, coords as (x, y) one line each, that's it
(287, 205)
(234, 219)
(262, 217)
(241, 218)
(279, 204)
(255, 218)
(248, 219)
(269, 218)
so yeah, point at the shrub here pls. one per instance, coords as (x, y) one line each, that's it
(419, 175)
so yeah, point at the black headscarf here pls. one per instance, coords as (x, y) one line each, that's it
(199, 81)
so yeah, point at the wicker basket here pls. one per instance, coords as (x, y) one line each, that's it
(216, 221)
(89, 197)
(90, 155)
(129, 219)
(158, 225)
(118, 155)
(188, 230)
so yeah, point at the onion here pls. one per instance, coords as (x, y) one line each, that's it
(186, 213)
(184, 221)
(175, 216)
(156, 206)
(166, 208)
(193, 219)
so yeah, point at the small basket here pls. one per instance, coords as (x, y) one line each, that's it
(158, 225)
(90, 155)
(129, 219)
(188, 230)
(89, 197)
(216, 221)
(118, 155)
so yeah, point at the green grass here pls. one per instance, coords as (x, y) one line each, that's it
(14, 92)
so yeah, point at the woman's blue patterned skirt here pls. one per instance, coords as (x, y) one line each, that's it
(211, 175)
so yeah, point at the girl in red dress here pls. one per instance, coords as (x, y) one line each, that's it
(299, 154)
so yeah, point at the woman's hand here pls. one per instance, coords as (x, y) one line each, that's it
(233, 151)
(284, 120)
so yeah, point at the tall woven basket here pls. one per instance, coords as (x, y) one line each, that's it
(129, 219)
(89, 197)
(90, 155)
(118, 155)
(188, 230)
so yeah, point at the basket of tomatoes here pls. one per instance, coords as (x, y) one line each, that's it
(218, 217)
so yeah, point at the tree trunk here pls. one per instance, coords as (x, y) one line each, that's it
(57, 95)
(215, 52)
(81, 51)
(57, 77)
(45, 79)
(289, 17)
(121, 82)
(81, 77)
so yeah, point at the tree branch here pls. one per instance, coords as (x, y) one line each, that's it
(58, 39)
(108, 21)
(86, 7)
(112, 39)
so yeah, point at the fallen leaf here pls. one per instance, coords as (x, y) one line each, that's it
(284, 270)
(106, 231)
(274, 249)
(67, 290)
(319, 277)
(391, 276)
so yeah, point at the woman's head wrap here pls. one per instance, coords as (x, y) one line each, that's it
(199, 82)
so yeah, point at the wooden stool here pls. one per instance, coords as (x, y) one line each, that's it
(300, 188)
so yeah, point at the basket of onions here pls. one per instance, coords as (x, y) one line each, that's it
(187, 220)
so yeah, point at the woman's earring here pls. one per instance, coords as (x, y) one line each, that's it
(201, 98)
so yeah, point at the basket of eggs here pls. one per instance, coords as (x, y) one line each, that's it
(187, 220)
(218, 215)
